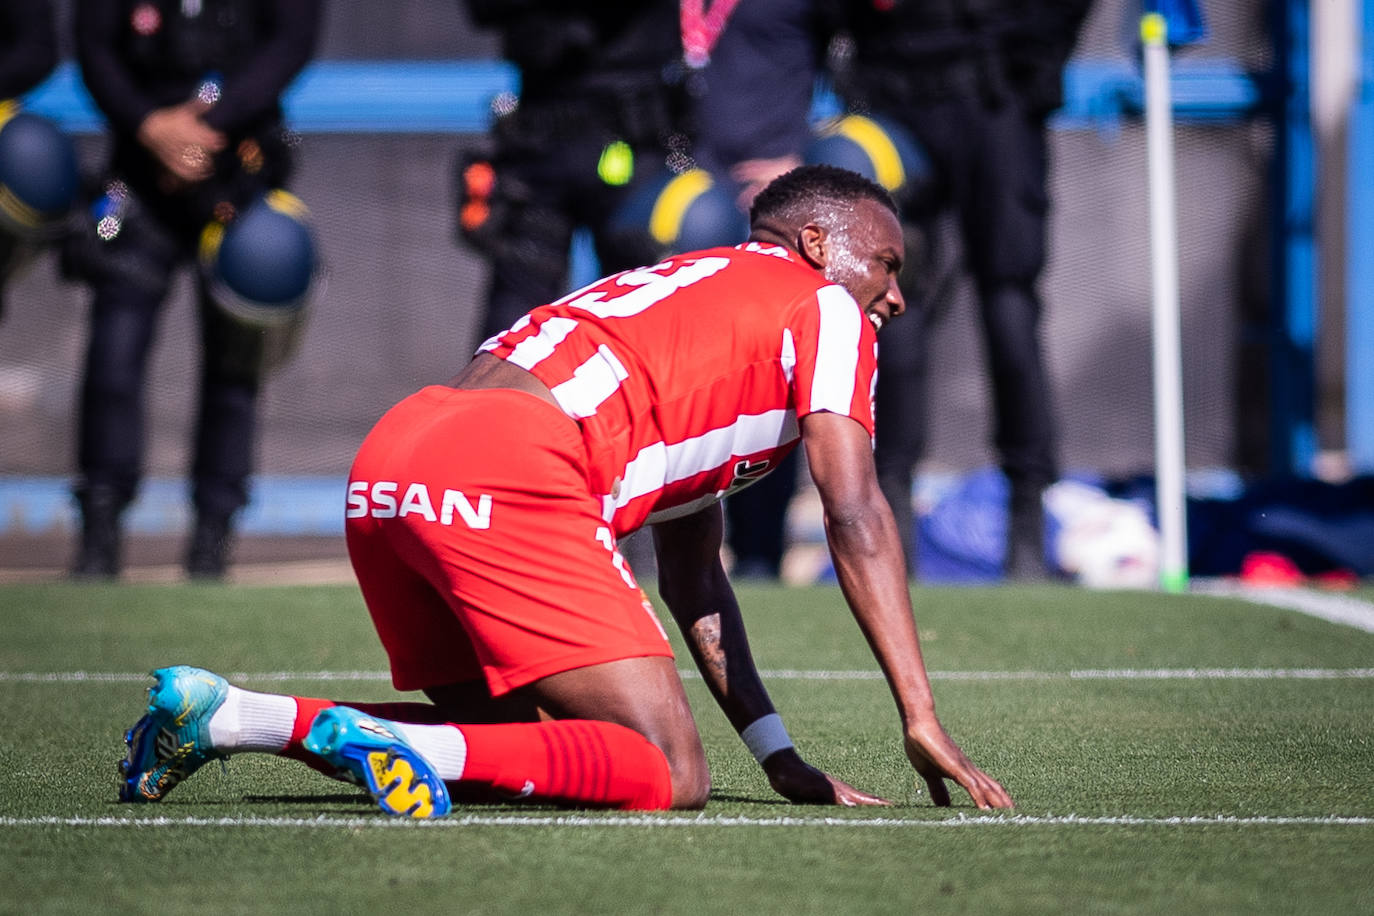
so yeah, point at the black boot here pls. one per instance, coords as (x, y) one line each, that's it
(101, 534)
(1025, 560)
(208, 554)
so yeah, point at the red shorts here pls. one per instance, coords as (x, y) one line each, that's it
(480, 550)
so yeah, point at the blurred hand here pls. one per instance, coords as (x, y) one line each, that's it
(936, 758)
(183, 143)
(754, 175)
(797, 781)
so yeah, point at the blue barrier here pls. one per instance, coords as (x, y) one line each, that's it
(455, 96)
(337, 97)
(281, 506)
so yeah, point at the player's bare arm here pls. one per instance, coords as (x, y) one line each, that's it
(868, 562)
(694, 585)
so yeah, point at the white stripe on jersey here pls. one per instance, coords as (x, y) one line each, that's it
(873, 382)
(660, 464)
(494, 341)
(788, 357)
(533, 350)
(837, 352)
(593, 382)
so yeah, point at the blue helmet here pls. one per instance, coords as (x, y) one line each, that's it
(262, 265)
(877, 149)
(38, 174)
(683, 212)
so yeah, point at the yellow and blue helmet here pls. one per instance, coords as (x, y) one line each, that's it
(876, 148)
(683, 212)
(38, 174)
(262, 265)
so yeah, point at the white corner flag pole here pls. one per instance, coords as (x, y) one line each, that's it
(1168, 361)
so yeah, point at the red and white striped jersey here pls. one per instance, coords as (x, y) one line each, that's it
(688, 378)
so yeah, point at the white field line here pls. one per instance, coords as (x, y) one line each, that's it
(650, 821)
(1333, 608)
(781, 674)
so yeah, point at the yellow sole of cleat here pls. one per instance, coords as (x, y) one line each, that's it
(397, 789)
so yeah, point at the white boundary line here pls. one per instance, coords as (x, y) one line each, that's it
(574, 820)
(1333, 608)
(782, 674)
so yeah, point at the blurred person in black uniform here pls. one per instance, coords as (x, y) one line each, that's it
(28, 53)
(191, 91)
(753, 71)
(28, 45)
(753, 68)
(975, 82)
(599, 102)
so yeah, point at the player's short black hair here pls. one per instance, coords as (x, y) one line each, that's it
(803, 188)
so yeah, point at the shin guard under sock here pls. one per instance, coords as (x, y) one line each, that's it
(573, 761)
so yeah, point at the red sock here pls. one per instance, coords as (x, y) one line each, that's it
(574, 761)
(307, 708)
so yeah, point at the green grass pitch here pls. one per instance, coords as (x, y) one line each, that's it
(1168, 753)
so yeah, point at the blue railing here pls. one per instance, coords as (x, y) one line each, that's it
(455, 96)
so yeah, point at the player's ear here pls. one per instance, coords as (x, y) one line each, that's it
(813, 244)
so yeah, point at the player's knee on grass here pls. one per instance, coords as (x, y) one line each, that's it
(652, 778)
(691, 778)
(664, 752)
(670, 728)
(644, 696)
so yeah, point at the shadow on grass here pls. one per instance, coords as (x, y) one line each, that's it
(359, 799)
(752, 800)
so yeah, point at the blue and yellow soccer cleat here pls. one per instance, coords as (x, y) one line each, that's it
(400, 780)
(173, 740)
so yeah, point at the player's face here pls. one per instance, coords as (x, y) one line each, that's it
(865, 258)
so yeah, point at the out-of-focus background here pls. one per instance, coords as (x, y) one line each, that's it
(1277, 310)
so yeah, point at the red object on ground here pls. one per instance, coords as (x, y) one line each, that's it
(1268, 569)
(1340, 580)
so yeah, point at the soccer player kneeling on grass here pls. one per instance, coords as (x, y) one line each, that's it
(483, 516)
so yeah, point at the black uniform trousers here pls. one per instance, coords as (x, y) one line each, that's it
(124, 318)
(991, 167)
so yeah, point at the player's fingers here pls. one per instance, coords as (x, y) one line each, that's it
(939, 792)
(850, 797)
(986, 792)
(854, 799)
(998, 796)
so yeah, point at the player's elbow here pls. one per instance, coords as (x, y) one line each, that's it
(859, 527)
(865, 516)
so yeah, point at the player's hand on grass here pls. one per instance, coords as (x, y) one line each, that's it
(936, 758)
(798, 781)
